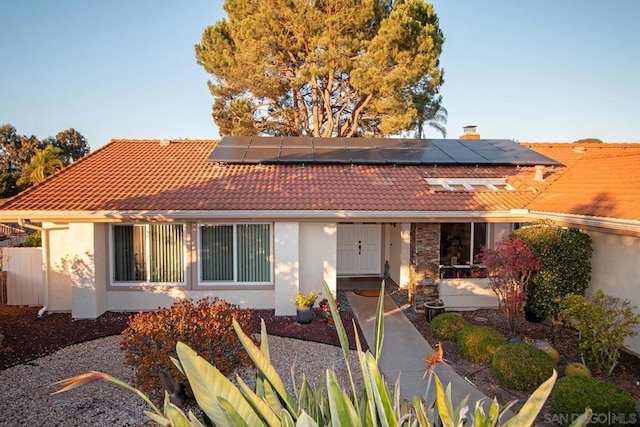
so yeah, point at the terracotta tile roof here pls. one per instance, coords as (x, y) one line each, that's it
(600, 180)
(131, 175)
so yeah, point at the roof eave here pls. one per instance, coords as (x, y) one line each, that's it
(619, 226)
(513, 215)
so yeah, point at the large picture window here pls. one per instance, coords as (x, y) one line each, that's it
(150, 253)
(461, 243)
(235, 253)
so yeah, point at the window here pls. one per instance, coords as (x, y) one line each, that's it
(469, 184)
(239, 253)
(461, 243)
(151, 253)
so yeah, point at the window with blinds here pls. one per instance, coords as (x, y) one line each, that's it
(149, 253)
(238, 253)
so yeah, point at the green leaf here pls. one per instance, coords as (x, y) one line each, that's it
(265, 367)
(421, 412)
(264, 345)
(176, 417)
(160, 419)
(378, 330)
(342, 411)
(445, 411)
(306, 421)
(233, 416)
(583, 419)
(268, 410)
(533, 405)
(342, 333)
(208, 383)
(195, 422)
(380, 394)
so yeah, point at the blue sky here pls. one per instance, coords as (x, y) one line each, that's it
(531, 71)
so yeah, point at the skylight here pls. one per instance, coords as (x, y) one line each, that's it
(469, 184)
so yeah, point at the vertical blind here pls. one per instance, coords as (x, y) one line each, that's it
(216, 253)
(247, 252)
(253, 253)
(153, 253)
(166, 253)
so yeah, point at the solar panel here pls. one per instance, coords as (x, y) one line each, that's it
(227, 154)
(290, 149)
(433, 155)
(330, 155)
(235, 141)
(365, 155)
(358, 143)
(296, 155)
(262, 155)
(328, 142)
(265, 142)
(400, 155)
(466, 156)
(295, 141)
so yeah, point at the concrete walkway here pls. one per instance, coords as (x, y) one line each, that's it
(403, 350)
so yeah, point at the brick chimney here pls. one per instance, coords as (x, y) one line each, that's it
(470, 132)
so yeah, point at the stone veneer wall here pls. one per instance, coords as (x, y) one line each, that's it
(425, 251)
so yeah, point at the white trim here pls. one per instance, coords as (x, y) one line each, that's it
(138, 284)
(470, 184)
(257, 215)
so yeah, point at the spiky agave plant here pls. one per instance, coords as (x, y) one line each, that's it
(269, 403)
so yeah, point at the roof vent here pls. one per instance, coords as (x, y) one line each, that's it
(539, 173)
(578, 149)
(165, 142)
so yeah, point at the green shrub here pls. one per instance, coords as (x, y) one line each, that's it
(521, 366)
(446, 326)
(588, 141)
(604, 322)
(33, 240)
(206, 326)
(566, 259)
(610, 404)
(479, 343)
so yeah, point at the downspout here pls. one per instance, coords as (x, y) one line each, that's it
(44, 234)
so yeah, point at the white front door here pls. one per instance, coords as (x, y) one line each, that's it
(359, 249)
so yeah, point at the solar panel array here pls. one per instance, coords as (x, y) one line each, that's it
(392, 151)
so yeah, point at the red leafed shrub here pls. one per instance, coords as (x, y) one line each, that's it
(510, 266)
(205, 326)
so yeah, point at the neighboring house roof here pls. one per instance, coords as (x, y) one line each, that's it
(150, 177)
(9, 230)
(600, 180)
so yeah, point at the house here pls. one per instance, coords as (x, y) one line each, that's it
(139, 223)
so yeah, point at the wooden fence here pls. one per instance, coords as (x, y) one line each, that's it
(24, 276)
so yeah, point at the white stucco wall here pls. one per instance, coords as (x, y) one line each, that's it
(467, 294)
(616, 270)
(318, 255)
(286, 267)
(59, 260)
(151, 299)
(87, 246)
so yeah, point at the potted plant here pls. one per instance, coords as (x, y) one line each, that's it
(304, 306)
(433, 308)
(477, 271)
(326, 309)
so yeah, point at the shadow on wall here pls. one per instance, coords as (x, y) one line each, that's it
(81, 271)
